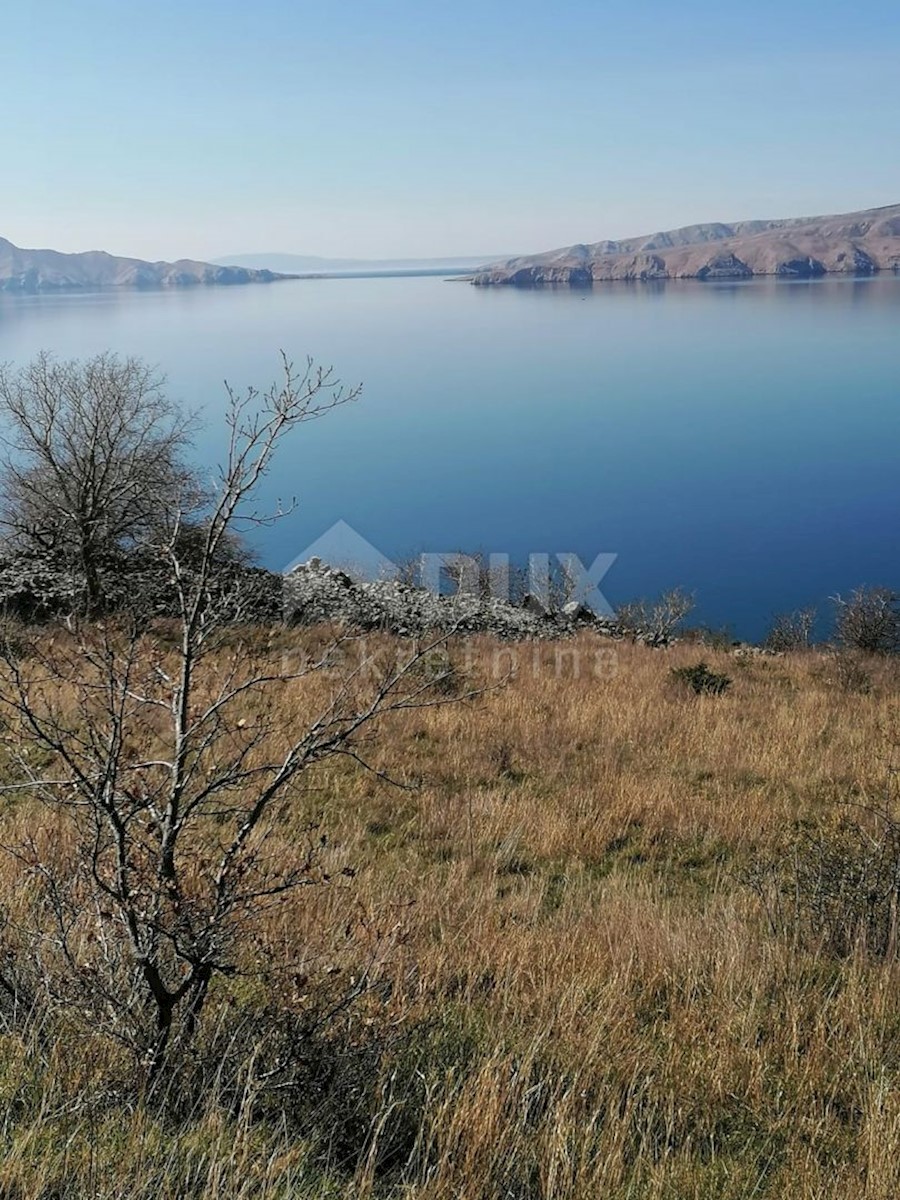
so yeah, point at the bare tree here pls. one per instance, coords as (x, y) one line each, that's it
(656, 621)
(94, 455)
(485, 576)
(167, 765)
(791, 631)
(869, 620)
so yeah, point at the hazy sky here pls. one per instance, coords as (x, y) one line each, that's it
(167, 128)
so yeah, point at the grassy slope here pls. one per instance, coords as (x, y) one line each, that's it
(590, 1001)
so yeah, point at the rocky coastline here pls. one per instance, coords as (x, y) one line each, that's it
(33, 271)
(862, 243)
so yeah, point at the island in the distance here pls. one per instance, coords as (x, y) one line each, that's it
(306, 266)
(53, 271)
(860, 243)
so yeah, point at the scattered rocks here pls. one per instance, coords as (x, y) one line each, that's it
(314, 593)
(748, 651)
(36, 587)
(33, 587)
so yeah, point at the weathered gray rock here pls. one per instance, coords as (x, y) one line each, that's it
(576, 611)
(534, 605)
(314, 593)
(33, 588)
(36, 587)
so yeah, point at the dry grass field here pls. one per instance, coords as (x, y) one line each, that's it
(572, 989)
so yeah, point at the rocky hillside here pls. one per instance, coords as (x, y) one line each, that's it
(35, 588)
(50, 270)
(857, 243)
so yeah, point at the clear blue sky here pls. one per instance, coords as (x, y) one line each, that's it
(430, 127)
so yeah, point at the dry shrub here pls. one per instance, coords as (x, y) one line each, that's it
(851, 671)
(657, 621)
(701, 680)
(837, 887)
(869, 620)
(791, 631)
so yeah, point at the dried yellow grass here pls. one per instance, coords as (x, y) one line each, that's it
(559, 904)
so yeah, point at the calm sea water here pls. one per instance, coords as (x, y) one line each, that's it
(738, 440)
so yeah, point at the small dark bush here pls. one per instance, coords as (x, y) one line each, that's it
(701, 680)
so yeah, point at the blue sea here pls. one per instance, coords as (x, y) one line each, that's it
(741, 440)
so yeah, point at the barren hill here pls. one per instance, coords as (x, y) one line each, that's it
(50, 270)
(856, 243)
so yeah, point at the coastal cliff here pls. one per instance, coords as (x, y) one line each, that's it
(861, 243)
(50, 270)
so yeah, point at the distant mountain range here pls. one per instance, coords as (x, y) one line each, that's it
(50, 270)
(858, 243)
(309, 265)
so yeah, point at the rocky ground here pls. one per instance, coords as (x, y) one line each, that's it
(35, 589)
(315, 592)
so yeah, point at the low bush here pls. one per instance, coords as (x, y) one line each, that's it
(869, 620)
(791, 631)
(850, 672)
(701, 680)
(655, 622)
(836, 887)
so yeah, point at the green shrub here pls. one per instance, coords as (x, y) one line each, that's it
(701, 680)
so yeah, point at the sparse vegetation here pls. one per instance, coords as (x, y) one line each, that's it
(656, 622)
(582, 936)
(570, 990)
(155, 747)
(95, 466)
(869, 620)
(850, 671)
(701, 680)
(791, 631)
